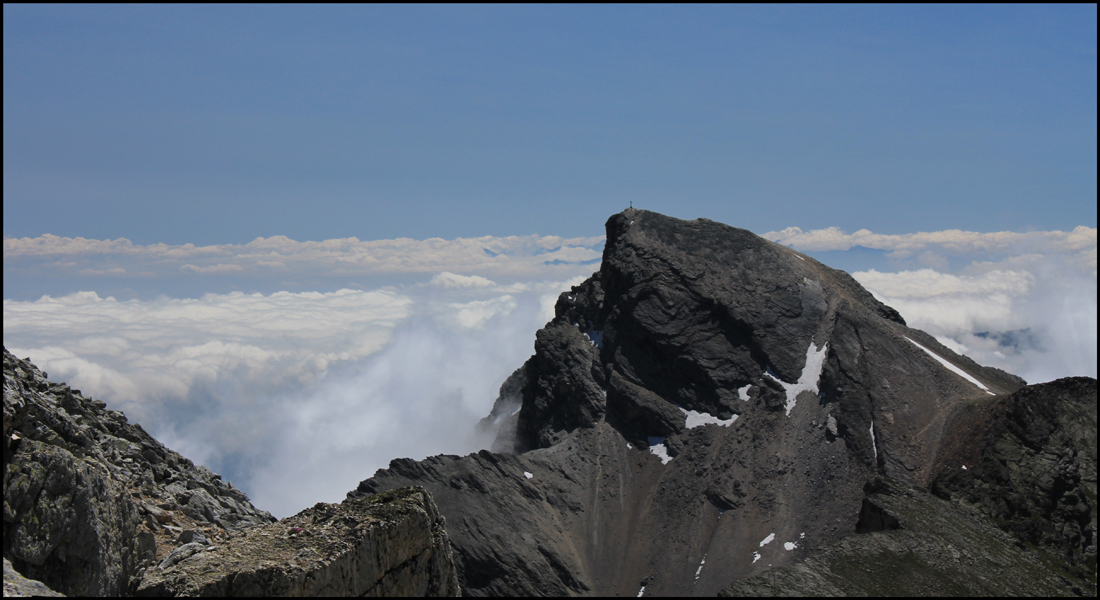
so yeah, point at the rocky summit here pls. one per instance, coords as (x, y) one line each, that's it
(709, 413)
(711, 407)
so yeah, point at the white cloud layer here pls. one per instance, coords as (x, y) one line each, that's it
(1038, 323)
(1023, 302)
(298, 395)
(294, 396)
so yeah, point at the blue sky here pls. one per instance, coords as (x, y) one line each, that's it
(214, 124)
(295, 242)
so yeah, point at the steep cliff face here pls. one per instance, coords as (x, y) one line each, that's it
(90, 500)
(708, 406)
(392, 544)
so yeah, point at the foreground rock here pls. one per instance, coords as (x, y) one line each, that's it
(15, 585)
(90, 500)
(707, 407)
(392, 544)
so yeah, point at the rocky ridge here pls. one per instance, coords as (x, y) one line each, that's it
(1027, 463)
(391, 544)
(90, 500)
(707, 407)
(95, 506)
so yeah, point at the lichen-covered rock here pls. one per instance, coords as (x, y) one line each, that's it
(391, 544)
(16, 586)
(66, 522)
(91, 499)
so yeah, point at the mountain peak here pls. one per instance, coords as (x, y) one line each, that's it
(706, 406)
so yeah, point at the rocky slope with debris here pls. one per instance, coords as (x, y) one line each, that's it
(1012, 510)
(1027, 462)
(911, 543)
(91, 500)
(391, 544)
(94, 506)
(707, 407)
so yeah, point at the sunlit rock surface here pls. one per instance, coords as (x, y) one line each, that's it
(392, 544)
(91, 500)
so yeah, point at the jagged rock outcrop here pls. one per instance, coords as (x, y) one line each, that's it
(391, 544)
(930, 547)
(90, 499)
(501, 421)
(706, 407)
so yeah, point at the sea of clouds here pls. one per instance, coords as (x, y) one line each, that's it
(296, 369)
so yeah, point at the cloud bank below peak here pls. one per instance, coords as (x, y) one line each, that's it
(356, 352)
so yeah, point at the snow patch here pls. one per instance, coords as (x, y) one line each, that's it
(873, 446)
(767, 540)
(697, 419)
(527, 475)
(657, 447)
(595, 336)
(700, 569)
(788, 546)
(641, 591)
(743, 392)
(952, 367)
(964, 467)
(629, 447)
(755, 557)
(807, 381)
(802, 535)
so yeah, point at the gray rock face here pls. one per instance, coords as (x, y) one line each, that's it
(704, 400)
(90, 499)
(1030, 467)
(932, 548)
(392, 544)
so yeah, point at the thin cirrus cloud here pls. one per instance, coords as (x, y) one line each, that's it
(298, 395)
